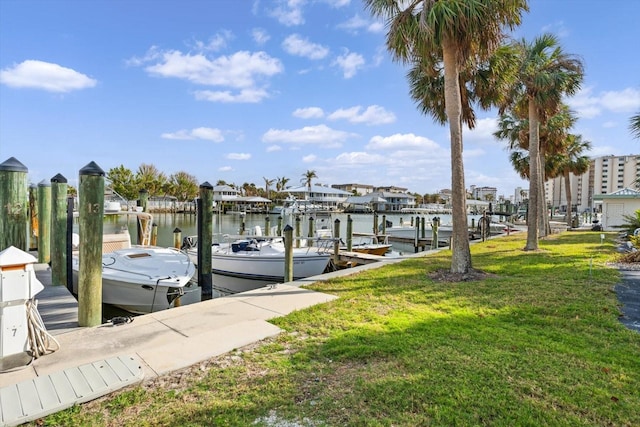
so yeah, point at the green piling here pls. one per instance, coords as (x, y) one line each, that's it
(288, 254)
(311, 231)
(298, 219)
(177, 238)
(349, 233)
(13, 204)
(384, 224)
(33, 218)
(91, 219)
(375, 223)
(44, 222)
(267, 226)
(205, 239)
(59, 230)
(143, 199)
(336, 241)
(279, 226)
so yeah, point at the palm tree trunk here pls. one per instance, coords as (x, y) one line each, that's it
(461, 254)
(534, 178)
(567, 184)
(543, 219)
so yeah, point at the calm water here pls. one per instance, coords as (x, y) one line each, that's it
(232, 224)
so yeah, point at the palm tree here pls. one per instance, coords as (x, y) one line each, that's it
(446, 33)
(307, 177)
(267, 185)
(571, 161)
(635, 126)
(513, 126)
(545, 74)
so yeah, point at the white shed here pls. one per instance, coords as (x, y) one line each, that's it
(617, 205)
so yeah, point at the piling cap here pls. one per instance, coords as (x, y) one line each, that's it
(13, 165)
(288, 228)
(177, 230)
(44, 183)
(92, 169)
(59, 178)
(206, 185)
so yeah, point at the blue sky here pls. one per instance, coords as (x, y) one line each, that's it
(243, 90)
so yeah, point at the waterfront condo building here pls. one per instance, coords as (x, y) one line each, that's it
(606, 175)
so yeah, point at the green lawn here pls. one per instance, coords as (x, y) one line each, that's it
(537, 342)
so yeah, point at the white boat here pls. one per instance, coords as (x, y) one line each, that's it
(140, 278)
(259, 261)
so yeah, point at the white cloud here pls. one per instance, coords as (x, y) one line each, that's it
(359, 158)
(483, 131)
(208, 134)
(309, 113)
(217, 42)
(373, 115)
(273, 148)
(225, 169)
(244, 96)
(625, 101)
(402, 141)
(245, 73)
(260, 36)
(289, 12)
(349, 63)
(238, 156)
(357, 23)
(310, 158)
(47, 76)
(588, 105)
(321, 135)
(296, 45)
(240, 70)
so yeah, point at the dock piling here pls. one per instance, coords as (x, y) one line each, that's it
(58, 230)
(13, 202)
(91, 220)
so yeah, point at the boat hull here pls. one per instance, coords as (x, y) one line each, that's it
(142, 279)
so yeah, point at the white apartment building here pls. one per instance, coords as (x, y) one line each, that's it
(489, 194)
(606, 175)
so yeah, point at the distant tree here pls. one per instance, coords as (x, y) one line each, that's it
(123, 182)
(571, 160)
(281, 183)
(221, 182)
(307, 177)
(184, 186)
(150, 179)
(267, 185)
(635, 126)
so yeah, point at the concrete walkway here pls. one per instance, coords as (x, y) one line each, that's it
(172, 339)
(628, 293)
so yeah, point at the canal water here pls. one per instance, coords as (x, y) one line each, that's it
(232, 224)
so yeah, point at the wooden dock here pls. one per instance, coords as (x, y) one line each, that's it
(56, 305)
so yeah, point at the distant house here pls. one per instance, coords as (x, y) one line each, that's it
(323, 197)
(387, 201)
(360, 189)
(616, 205)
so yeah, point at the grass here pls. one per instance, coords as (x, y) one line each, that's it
(535, 342)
